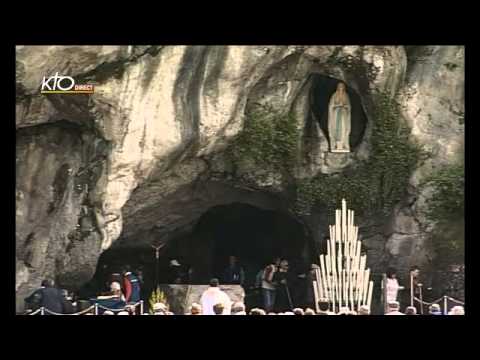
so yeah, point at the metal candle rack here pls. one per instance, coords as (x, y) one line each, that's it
(343, 278)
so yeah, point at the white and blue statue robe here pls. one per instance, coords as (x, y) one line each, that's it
(339, 123)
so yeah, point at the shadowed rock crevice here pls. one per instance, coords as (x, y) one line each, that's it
(57, 167)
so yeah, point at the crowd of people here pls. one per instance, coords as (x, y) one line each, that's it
(124, 292)
(275, 281)
(213, 301)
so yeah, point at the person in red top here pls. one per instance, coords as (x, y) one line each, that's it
(127, 287)
(131, 286)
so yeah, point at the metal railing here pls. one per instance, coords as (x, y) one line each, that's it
(443, 299)
(93, 307)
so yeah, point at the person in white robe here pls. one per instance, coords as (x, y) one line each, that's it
(391, 286)
(214, 295)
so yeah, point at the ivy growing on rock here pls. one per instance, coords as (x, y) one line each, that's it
(445, 207)
(269, 140)
(375, 185)
(447, 202)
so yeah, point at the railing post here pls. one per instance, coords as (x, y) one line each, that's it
(445, 305)
(411, 289)
(141, 307)
(96, 309)
(42, 311)
(421, 298)
(384, 293)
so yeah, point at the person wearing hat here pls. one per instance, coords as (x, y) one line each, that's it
(257, 311)
(218, 309)
(176, 273)
(195, 309)
(159, 308)
(364, 310)
(116, 291)
(309, 311)
(411, 310)
(113, 299)
(214, 295)
(457, 310)
(344, 310)
(394, 308)
(238, 308)
(434, 309)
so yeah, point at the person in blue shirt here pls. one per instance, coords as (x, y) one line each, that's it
(131, 285)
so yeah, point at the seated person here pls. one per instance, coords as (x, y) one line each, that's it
(113, 299)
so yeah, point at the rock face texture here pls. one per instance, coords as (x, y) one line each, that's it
(144, 156)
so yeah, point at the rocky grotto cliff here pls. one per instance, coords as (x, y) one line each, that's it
(165, 137)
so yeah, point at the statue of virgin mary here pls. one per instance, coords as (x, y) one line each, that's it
(339, 120)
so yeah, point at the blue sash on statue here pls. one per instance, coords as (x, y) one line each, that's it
(338, 122)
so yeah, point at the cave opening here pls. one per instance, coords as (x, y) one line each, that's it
(322, 89)
(254, 235)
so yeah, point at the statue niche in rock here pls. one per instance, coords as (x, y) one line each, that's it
(339, 120)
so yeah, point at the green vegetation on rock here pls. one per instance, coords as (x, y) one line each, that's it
(376, 185)
(447, 201)
(269, 140)
(446, 210)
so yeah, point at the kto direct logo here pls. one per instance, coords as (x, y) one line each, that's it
(64, 85)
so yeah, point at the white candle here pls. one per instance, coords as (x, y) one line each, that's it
(337, 226)
(359, 287)
(332, 234)
(365, 284)
(358, 253)
(324, 278)
(331, 246)
(352, 300)
(319, 283)
(370, 292)
(354, 241)
(329, 285)
(315, 294)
